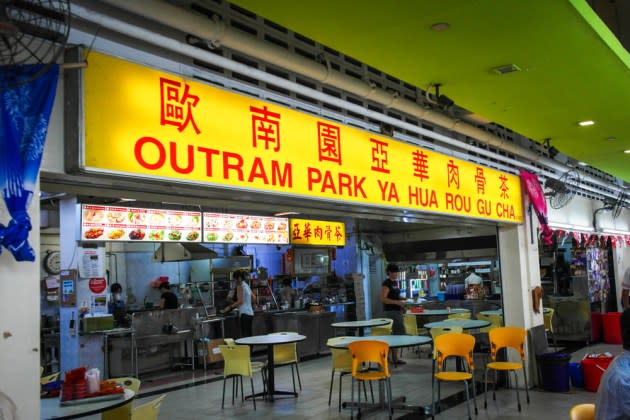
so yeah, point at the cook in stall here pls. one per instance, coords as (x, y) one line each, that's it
(244, 299)
(116, 305)
(287, 294)
(168, 299)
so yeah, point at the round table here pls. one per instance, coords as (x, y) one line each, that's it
(51, 408)
(466, 324)
(492, 312)
(361, 325)
(271, 340)
(394, 341)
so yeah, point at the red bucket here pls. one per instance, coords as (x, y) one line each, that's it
(612, 328)
(593, 369)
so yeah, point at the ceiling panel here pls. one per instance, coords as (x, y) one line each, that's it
(572, 66)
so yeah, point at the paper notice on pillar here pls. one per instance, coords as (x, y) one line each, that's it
(91, 262)
(98, 304)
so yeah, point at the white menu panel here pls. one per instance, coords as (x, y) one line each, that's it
(109, 223)
(244, 229)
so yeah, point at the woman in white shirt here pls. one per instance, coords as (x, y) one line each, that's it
(244, 299)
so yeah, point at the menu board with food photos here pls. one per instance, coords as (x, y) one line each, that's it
(243, 229)
(109, 223)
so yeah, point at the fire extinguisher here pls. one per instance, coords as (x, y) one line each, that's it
(332, 253)
(290, 255)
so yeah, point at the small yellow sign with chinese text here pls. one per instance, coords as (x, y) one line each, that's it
(317, 232)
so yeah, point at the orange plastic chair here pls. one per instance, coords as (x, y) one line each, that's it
(375, 353)
(506, 338)
(582, 412)
(454, 345)
(341, 364)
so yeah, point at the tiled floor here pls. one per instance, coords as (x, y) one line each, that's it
(203, 400)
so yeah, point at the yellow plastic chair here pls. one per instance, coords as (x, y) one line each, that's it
(454, 345)
(459, 315)
(124, 411)
(237, 363)
(374, 353)
(341, 364)
(548, 319)
(506, 338)
(436, 332)
(494, 320)
(147, 411)
(582, 412)
(49, 378)
(256, 366)
(383, 329)
(286, 354)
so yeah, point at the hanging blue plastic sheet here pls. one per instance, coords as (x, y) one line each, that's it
(24, 115)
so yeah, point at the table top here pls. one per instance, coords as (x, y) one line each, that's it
(270, 339)
(428, 312)
(360, 324)
(52, 409)
(492, 312)
(467, 324)
(394, 341)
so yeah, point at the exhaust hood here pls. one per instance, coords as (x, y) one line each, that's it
(171, 252)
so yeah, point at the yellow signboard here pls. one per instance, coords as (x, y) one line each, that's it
(147, 123)
(317, 232)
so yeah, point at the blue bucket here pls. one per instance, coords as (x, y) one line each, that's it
(441, 296)
(576, 374)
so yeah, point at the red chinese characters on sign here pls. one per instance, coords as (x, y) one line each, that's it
(177, 104)
(480, 180)
(317, 233)
(304, 232)
(453, 174)
(265, 128)
(420, 165)
(504, 188)
(380, 159)
(329, 142)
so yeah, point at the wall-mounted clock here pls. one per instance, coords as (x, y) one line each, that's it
(52, 262)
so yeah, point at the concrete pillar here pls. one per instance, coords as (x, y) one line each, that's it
(19, 326)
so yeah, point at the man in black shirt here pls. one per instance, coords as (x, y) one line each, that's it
(393, 305)
(168, 299)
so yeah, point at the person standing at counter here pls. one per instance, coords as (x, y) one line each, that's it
(116, 305)
(287, 293)
(168, 300)
(393, 305)
(244, 299)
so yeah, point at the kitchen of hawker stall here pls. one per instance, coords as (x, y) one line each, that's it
(131, 259)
